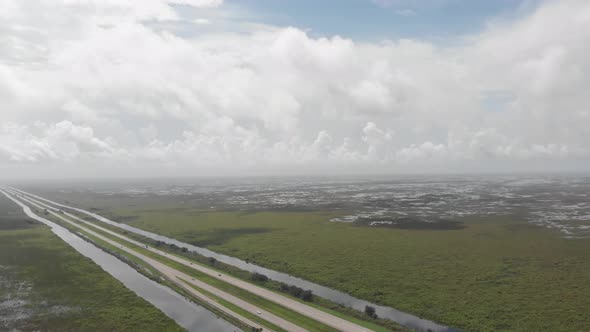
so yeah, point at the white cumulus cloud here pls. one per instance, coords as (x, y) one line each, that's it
(84, 81)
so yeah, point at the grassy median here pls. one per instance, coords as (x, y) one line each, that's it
(45, 285)
(496, 273)
(265, 304)
(375, 324)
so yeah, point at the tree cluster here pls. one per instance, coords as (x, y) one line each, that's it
(258, 277)
(305, 295)
(370, 311)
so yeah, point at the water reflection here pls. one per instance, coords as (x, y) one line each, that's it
(188, 315)
(400, 317)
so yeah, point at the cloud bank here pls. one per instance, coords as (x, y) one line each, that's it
(97, 88)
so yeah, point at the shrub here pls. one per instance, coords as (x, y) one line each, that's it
(370, 311)
(307, 296)
(259, 277)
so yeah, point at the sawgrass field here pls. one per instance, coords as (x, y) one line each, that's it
(45, 285)
(496, 273)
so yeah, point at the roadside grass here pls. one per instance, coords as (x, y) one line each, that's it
(12, 217)
(285, 313)
(498, 273)
(352, 315)
(278, 310)
(58, 289)
(150, 272)
(236, 309)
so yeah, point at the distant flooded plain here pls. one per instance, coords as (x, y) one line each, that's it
(446, 248)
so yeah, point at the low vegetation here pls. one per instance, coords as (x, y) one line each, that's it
(297, 293)
(305, 295)
(45, 285)
(492, 273)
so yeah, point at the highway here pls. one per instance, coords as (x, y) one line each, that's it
(182, 279)
(316, 314)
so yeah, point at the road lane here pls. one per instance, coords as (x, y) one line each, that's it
(176, 276)
(321, 316)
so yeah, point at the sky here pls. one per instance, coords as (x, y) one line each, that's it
(158, 88)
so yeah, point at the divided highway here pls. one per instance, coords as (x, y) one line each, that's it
(181, 278)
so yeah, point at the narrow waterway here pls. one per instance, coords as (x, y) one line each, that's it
(345, 299)
(187, 314)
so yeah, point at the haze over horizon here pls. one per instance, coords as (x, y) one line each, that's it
(209, 87)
